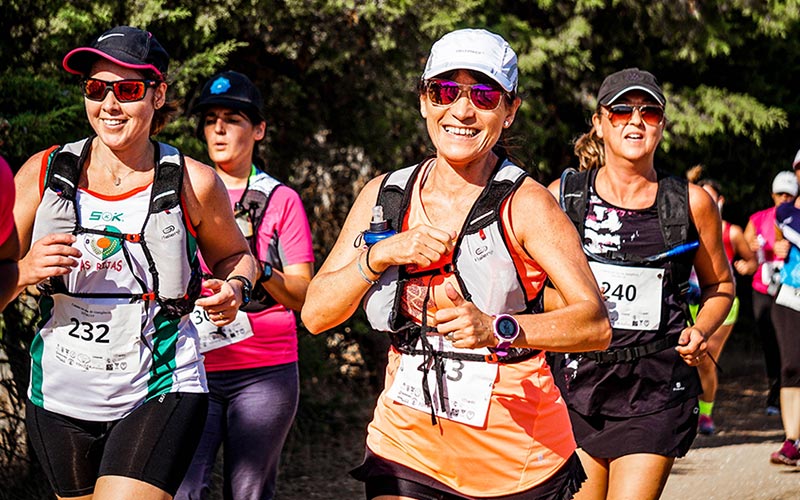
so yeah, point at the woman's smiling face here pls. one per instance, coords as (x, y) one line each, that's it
(461, 133)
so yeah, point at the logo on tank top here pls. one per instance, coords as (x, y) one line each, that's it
(102, 246)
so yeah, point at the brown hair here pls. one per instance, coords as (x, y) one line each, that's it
(590, 151)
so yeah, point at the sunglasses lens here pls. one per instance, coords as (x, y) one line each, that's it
(620, 114)
(485, 97)
(443, 93)
(94, 90)
(129, 90)
(652, 115)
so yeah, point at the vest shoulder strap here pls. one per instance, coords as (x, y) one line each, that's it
(257, 196)
(394, 194)
(64, 170)
(573, 195)
(168, 178)
(672, 203)
(505, 180)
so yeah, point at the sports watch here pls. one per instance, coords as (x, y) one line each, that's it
(266, 273)
(247, 288)
(506, 331)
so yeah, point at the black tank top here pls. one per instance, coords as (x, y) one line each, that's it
(650, 383)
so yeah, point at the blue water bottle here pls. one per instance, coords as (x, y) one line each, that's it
(378, 227)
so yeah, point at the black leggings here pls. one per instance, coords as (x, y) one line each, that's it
(154, 444)
(786, 321)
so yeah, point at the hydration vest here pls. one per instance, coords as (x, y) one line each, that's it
(254, 203)
(479, 253)
(168, 247)
(680, 238)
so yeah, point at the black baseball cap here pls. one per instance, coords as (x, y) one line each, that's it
(231, 89)
(617, 84)
(124, 45)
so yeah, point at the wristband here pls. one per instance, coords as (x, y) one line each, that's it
(363, 274)
(366, 259)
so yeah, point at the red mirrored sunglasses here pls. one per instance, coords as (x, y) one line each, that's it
(124, 90)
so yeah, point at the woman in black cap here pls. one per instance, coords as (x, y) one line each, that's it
(110, 224)
(470, 409)
(634, 406)
(252, 363)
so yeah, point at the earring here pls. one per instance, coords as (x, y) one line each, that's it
(506, 123)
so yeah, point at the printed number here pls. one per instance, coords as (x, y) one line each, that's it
(620, 292)
(88, 333)
(454, 368)
(200, 315)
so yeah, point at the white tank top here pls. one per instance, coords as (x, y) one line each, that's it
(97, 358)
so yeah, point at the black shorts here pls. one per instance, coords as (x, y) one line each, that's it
(669, 432)
(154, 444)
(382, 477)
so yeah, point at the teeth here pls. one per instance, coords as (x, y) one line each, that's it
(460, 131)
(113, 122)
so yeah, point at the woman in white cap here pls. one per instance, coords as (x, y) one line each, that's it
(634, 406)
(252, 363)
(453, 269)
(110, 225)
(785, 317)
(760, 235)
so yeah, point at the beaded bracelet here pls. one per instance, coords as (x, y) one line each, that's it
(363, 274)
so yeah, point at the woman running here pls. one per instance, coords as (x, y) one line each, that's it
(470, 408)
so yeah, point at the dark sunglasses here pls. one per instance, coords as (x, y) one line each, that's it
(124, 90)
(621, 114)
(445, 93)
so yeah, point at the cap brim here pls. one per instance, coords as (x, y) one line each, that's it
(79, 61)
(659, 99)
(226, 102)
(453, 66)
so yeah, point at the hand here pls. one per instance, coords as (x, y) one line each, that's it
(420, 246)
(52, 255)
(464, 324)
(223, 303)
(692, 346)
(781, 248)
(745, 267)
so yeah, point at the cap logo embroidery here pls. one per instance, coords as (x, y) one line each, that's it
(220, 85)
(109, 35)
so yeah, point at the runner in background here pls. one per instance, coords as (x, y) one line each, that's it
(760, 235)
(469, 407)
(9, 241)
(786, 317)
(251, 364)
(110, 225)
(633, 407)
(735, 245)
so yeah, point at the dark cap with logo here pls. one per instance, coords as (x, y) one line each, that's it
(124, 45)
(617, 84)
(231, 89)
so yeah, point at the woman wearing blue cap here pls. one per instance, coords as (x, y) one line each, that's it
(252, 363)
(110, 225)
(453, 269)
(634, 406)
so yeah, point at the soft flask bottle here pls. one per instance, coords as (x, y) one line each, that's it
(378, 227)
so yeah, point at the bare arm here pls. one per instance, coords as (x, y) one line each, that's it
(714, 275)
(224, 249)
(747, 262)
(289, 287)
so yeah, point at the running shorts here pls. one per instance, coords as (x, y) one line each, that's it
(383, 477)
(154, 443)
(669, 432)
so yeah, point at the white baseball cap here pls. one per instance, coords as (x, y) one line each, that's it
(785, 182)
(477, 50)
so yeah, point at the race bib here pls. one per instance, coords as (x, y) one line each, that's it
(632, 295)
(467, 385)
(96, 337)
(213, 337)
(788, 296)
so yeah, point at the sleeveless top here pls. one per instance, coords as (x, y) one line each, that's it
(99, 358)
(647, 384)
(526, 435)
(764, 223)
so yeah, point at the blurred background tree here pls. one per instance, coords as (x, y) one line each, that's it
(339, 80)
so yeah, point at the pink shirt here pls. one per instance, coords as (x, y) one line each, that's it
(275, 329)
(764, 224)
(6, 201)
